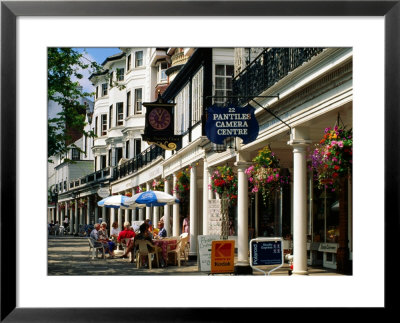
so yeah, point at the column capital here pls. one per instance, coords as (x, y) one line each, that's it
(242, 164)
(299, 142)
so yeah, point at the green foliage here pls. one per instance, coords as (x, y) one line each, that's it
(65, 64)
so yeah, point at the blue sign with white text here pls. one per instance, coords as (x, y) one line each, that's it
(231, 121)
(266, 252)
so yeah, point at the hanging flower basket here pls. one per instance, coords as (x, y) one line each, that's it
(332, 158)
(182, 186)
(265, 175)
(224, 182)
(82, 203)
(158, 185)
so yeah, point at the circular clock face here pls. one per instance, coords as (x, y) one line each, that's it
(159, 118)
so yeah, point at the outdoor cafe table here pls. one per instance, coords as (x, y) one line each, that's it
(163, 244)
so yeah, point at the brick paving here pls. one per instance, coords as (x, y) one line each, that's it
(69, 255)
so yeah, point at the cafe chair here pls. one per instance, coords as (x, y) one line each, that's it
(124, 243)
(177, 252)
(94, 248)
(142, 251)
(185, 245)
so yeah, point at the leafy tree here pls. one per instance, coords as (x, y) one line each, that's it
(65, 65)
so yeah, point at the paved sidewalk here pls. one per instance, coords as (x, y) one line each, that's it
(69, 255)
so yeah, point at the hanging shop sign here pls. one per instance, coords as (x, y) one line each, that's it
(103, 192)
(266, 252)
(222, 256)
(159, 124)
(231, 121)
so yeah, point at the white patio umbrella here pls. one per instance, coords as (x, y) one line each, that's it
(153, 198)
(118, 201)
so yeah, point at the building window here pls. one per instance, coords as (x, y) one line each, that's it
(118, 155)
(138, 59)
(120, 113)
(111, 116)
(197, 96)
(138, 146)
(138, 101)
(162, 75)
(223, 82)
(120, 74)
(182, 111)
(109, 158)
(75, 154)
(103, 124)
(127, 149)
(95, 126)
(111, 78)
(103, 161)
(104, 89)
(65, 185)
(97, 92)
(129, 62)
(128, 103)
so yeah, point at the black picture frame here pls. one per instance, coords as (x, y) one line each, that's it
(10, 10)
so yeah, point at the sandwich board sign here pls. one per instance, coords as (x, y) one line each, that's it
(266, 252)
(222, 256)
(204, 245)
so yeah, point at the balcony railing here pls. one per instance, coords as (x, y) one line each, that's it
(100, 175)
(272, 65)
(139, 161)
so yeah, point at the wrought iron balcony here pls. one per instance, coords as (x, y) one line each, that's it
(272, 65)
(139, 161)
(100, 175)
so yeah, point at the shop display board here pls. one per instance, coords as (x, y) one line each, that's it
(266, 252)
(222, 256)
(204, 243)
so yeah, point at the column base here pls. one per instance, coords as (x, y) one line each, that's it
(243, 270)
(300, 272)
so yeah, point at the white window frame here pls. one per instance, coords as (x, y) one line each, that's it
(141, 60)
(161, 72)
(128, 103)
(138, 103)
(182, 111)
(224, 90)
(120, 76)
(104, 124)
(129, 62)
(120, 114)
(197, 96)
(104, 89)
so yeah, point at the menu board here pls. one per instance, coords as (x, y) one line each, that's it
(204, 244)
(215, 217)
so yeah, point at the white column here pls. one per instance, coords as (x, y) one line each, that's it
(66, 215)
(119, 220)
(156, 216)
(148, 208)
(299, 210)
(112, 219)
(126, 216)
(141, 214)
(175, 210)
(71, 221)
(96, 213)
(243, 214)
(88, 211)
(76, 217)
(299, 144)
(205, 196)
(193, 211)
(167, 208)
(103, 214)
(57, 213)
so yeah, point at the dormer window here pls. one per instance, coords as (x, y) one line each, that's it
(120, 74)
(104, 88)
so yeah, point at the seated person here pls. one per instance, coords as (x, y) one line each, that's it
(114, 231)
(144, 234)
(162, 232)
(127, 233)
(103, 238)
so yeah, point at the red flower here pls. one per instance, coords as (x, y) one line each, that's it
(337, 167)
(334, 175)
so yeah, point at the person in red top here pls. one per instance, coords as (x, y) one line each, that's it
(127, 233)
